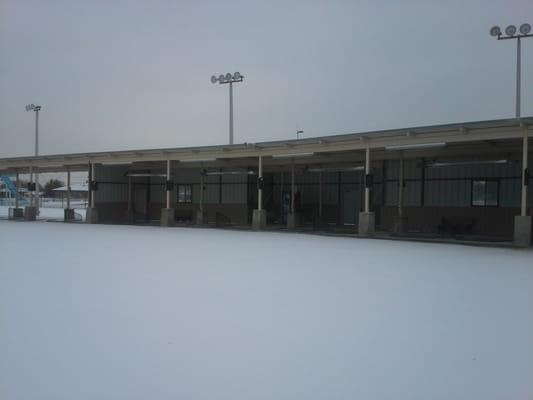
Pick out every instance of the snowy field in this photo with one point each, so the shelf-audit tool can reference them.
(109, 312)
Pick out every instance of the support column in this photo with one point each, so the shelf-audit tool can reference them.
(400, 221)
(259, 215)
(30, 211)
(293, 219)
(68, 212)
(523, 222)
(367, 220)
(168, 213)
(129, 212)
(92, 212)
(320, 217)
(17, 188)
(200, 217)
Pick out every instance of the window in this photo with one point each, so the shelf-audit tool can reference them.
(485, 193)
(184, 193)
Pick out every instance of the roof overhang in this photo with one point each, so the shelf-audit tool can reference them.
(286, 150)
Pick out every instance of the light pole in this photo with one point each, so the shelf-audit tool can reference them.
(231, 79)
(33, 107)
(510, 33)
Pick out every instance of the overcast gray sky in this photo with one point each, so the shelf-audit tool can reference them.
(135, 74)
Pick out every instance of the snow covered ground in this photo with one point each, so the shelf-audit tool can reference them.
(123, 312)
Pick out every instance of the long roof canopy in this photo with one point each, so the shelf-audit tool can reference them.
(448, 133)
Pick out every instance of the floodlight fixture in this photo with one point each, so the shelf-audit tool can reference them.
(511, 33)
(231, 79)
(525, 29)
(495, 31)
(510, 30)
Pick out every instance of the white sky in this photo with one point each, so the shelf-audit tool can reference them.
(128, 74)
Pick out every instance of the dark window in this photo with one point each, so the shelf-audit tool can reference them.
(184, 193)
(484, 193)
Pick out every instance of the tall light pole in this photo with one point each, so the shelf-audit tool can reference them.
(231, 79)
(510, 33)
(36, 109)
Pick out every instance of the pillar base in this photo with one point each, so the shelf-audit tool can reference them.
(16, 213)
(522, 231)
(259, 219)
(399, 224)
(293, 220)
(167, 217)
(91, 215)
(69, 215)
(30, 213)
(367, 223)
(200, 217)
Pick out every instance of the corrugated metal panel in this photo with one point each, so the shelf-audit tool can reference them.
(448, 193)
(234, 189)
(474, 171)
(112, 185)
(510, 192)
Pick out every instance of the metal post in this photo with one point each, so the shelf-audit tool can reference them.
(320, 194)
(400, 186)
(168, 179)
(523, 211)
(281, 197)
(293, 190)
(201, 192)
(259, 190)
(129, 193)
(518, 77)
(231, 112)
(68, 188)
(367, 189)
(31, 191)
(93, 178)
(17, 187)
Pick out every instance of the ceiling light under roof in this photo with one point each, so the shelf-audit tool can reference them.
(419, 146)
(292, 155)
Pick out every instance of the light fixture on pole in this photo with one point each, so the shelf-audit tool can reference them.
(510, 32)
(231, 79)
(36, 109)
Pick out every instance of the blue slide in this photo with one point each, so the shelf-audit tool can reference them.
(13, 189)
